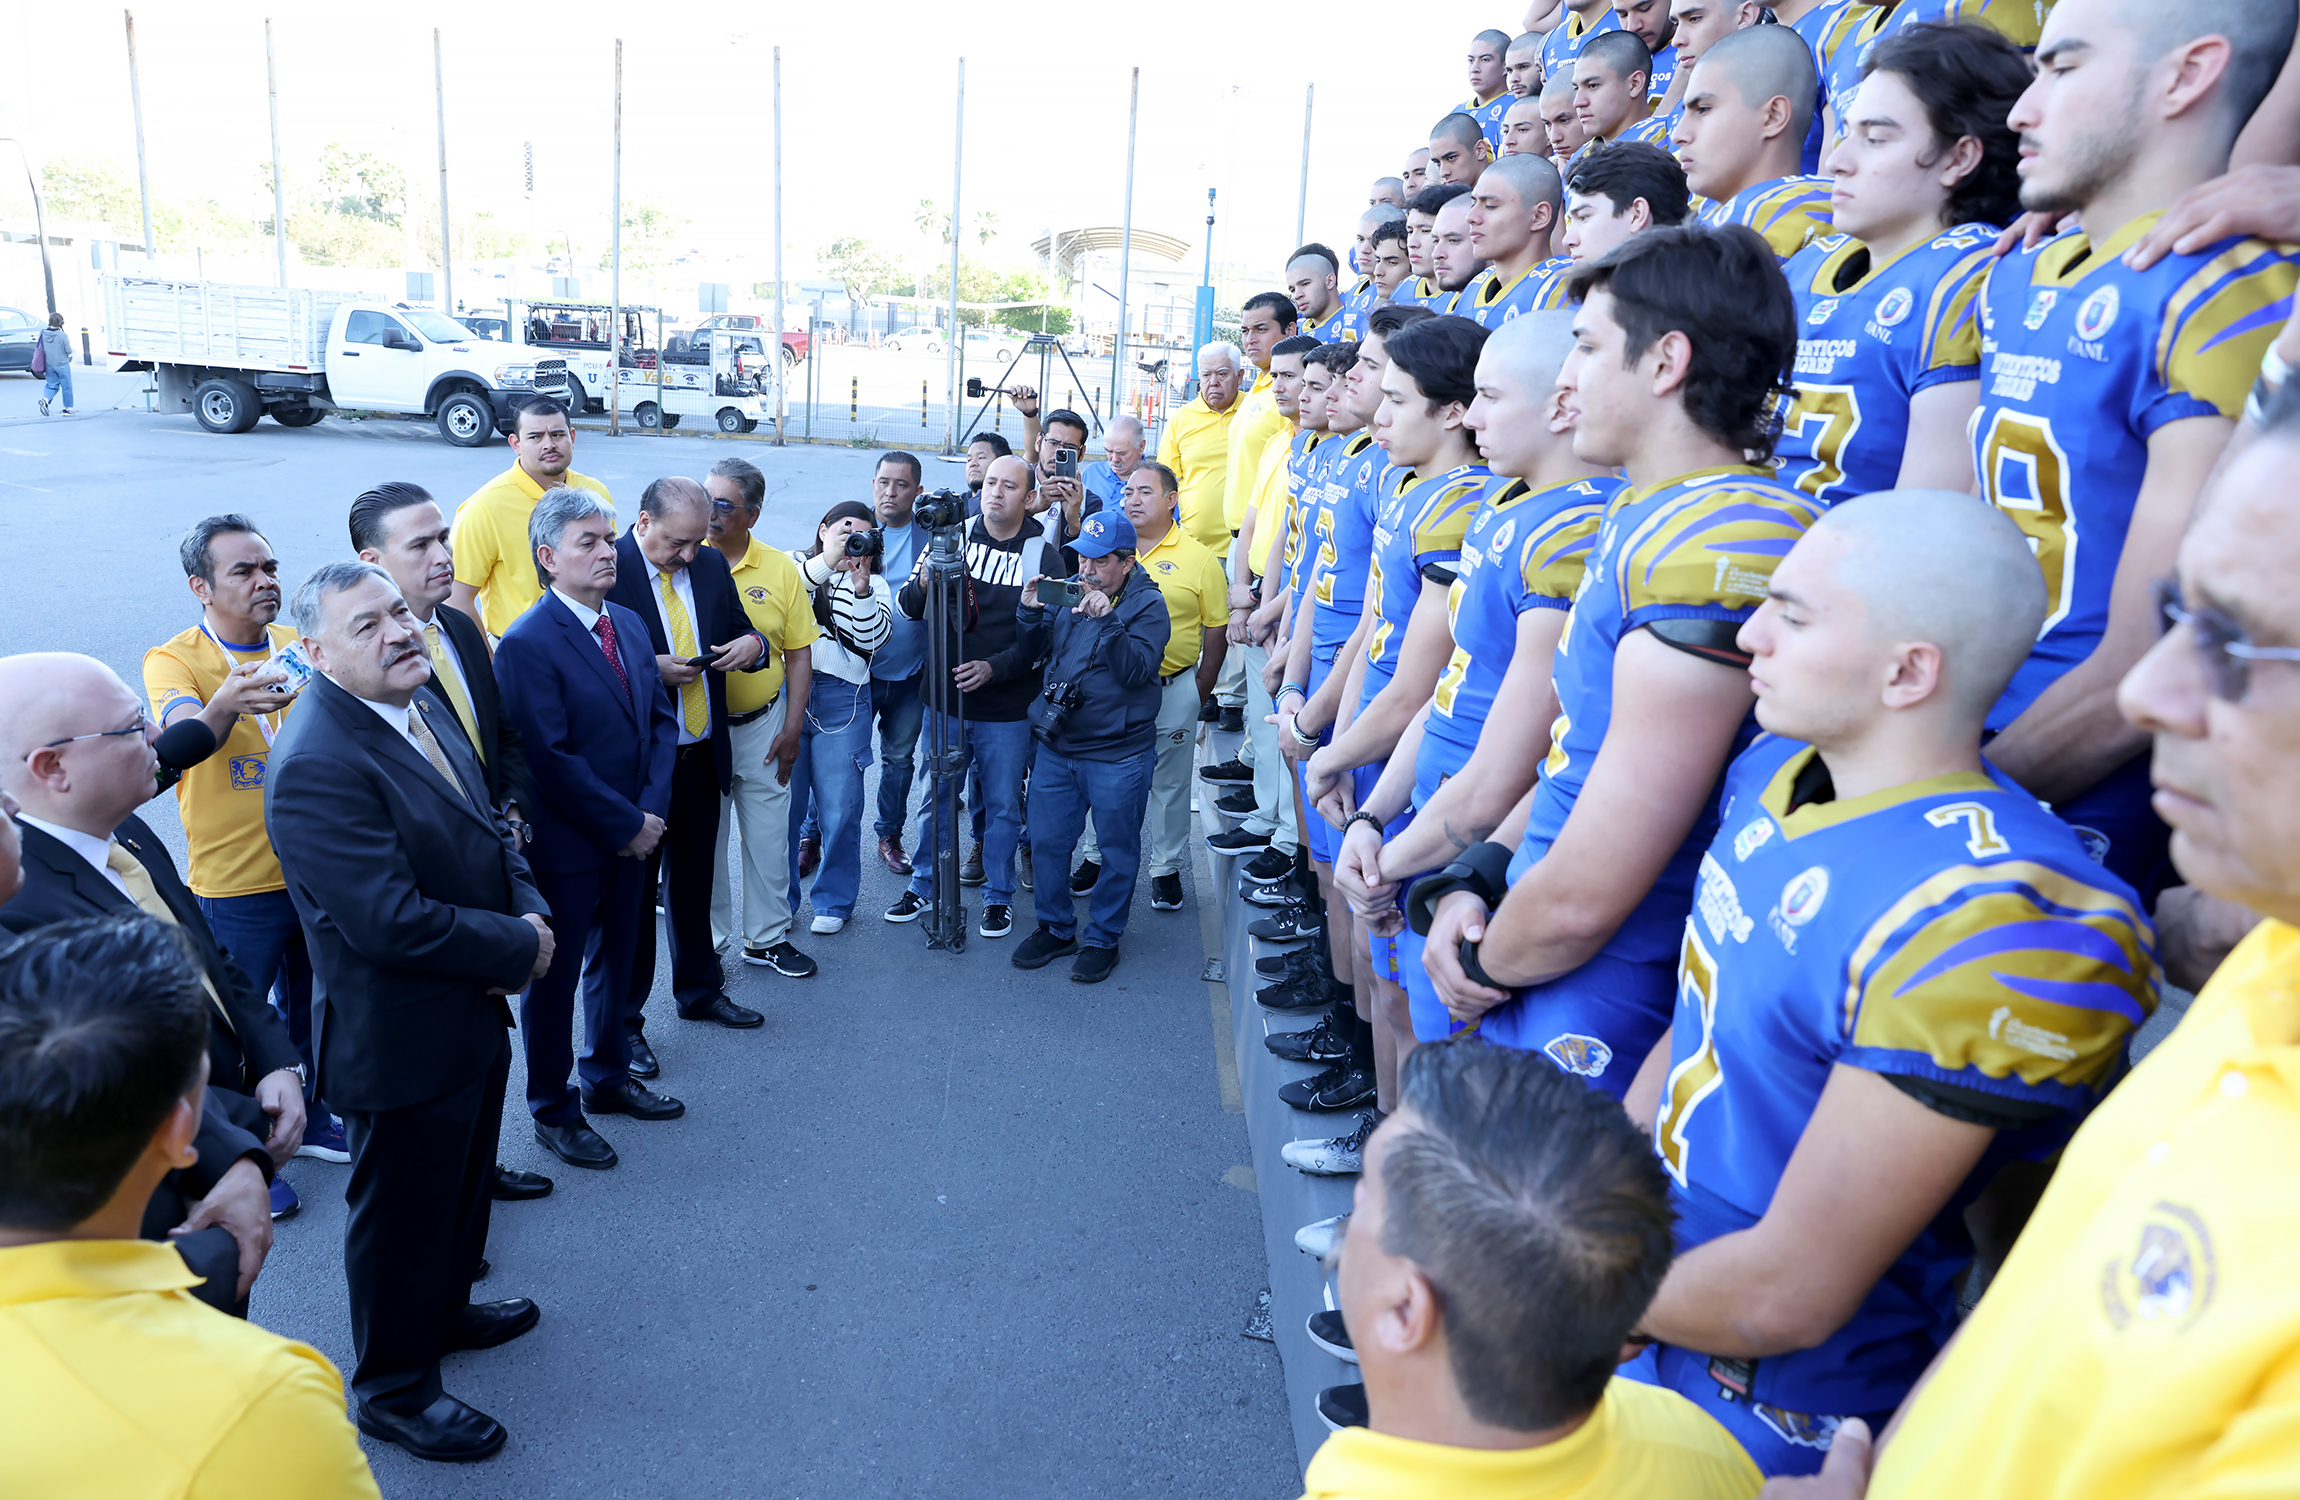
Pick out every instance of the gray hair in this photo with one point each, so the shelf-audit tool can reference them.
(1230, 353)
(309, 608)
(560, 508)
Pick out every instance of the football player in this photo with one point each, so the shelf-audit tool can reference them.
(1416, 176)
(1454, 260)
(1421, 290)
(1609, 91)
(1567, 945)
(1515, 206)
(1522, 130)
(1311, 274)
(1458, 151)
(1741, 137)
(1700, 24)
(1852, 42)
(1521, 66)
(1561, 122)
(1582, 20)
(1613, 194)
(1655, 25)
(2108, 393)
(1389, 270)
(1889, 346)
(1388, 190)
(1902, 973)
(1362, 295)
(1489, 92)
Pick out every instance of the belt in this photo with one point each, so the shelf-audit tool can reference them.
(700, 747)
(1171, 677)
(736, 721)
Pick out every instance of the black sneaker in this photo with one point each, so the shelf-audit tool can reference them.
(1082, 879)
(971, 873)
(1271, 896)
(1237, 804)
(782, 958)
(1272, 863)
(1208, 711)
(1288, 924)
(1165, 893)
(1339, 1087)
(1228, 770)
(1236, 841)
(1322, 1043)
(997, 920)
(908, 908)
(1341, 1406)
(1294, 963)
(1233, 720)
(1093, 965)
(1022, 865)
(1042, 948)
(1330, 1333)
(1287, 999)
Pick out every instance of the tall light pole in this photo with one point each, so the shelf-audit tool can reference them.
(615, 270)
(136, 101)
(446, 234)
(775, 354)
(279, 188)
(1125, 258)
(39, 219)
(1302, 203)
(957, 334)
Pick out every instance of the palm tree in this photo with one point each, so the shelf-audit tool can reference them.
(932, 222)
(985, 225)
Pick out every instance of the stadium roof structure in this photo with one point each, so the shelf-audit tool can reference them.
(1064, 247)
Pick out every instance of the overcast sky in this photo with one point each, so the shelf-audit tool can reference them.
(867, 108)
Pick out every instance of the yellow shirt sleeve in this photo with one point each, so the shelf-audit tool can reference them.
(293, 1442)
(477, 548)
(1213, 594)
(168, 681)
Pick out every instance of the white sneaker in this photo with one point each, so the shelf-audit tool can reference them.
(824, 926)
(1338, 1156)
(1319, 1239)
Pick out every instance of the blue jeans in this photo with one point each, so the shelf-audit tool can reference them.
(1065, 789)
(834, 751)
(1000, 752)
(61, 375)
(896, 705)
(264, 937)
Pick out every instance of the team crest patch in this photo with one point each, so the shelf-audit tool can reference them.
(756, 594)
(2095, 842)
(1801, 898)
(1501, 538)
(2169, 1277)
(1821, 311)
(2039, 309)
(247, 773)
(1751, 839)
(1895, 307)
(2097, 315)
(1795, 1427)
(1165, 569)
(1576, 1053)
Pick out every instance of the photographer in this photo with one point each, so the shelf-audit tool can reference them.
(992, 686)
(855, 613)
(1096, 724)
(1060, 486)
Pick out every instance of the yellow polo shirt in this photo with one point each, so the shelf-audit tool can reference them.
(1259, 420)
(2143, 1338)
(1268, 500)
(1197, 595)
(118, 1384)
(222, 798)
(775, 597)
(1642, 1443)
(489, 539)
(1196, 446)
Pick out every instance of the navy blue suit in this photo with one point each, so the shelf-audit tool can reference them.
(600, 759)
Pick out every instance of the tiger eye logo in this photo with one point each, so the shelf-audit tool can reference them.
(2170, 1275)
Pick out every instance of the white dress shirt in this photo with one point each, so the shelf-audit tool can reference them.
(96, 851)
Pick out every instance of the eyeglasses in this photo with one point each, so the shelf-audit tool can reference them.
(2220, 641)
(136, 728)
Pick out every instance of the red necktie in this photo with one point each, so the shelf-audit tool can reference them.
(605, 629)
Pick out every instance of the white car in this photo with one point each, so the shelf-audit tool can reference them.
(982, 345)
(916, 341)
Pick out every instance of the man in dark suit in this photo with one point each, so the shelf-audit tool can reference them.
(686, 594)
(401, 529)
(580, 686)
(420, 915)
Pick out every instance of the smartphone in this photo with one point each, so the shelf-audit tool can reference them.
(291, 660)
(1062, 593)
(696, 661)
(1066, 463)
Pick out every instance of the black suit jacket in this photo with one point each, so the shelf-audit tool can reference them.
(719, 619)
(506, 758)
(410, 895)
(246, 1038)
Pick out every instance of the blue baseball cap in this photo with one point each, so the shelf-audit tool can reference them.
(1104, 532)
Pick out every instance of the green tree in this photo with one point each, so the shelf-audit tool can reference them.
(865, 270)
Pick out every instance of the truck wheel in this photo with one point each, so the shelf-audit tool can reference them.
(732, 420)
(466, 420)
(750, 425)
(670, 420)
(226, 405)
(645, 414)
(790, 356)
(297, 416)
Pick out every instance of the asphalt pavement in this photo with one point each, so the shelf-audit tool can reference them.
(942, 1227)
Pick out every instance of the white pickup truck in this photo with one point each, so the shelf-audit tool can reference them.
(230, 354)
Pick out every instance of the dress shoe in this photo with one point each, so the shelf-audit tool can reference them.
(485, 1266)
(445, 1432)
(517, 1187)
(890, 854)
(725, 1012)
(642, 1063)
(578, 1144)
(483, 1325)
(628, 1096)
(810, 856)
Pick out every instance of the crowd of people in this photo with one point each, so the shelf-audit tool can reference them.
(1761, 621)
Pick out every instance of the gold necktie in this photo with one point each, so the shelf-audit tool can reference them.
(694, 698)
(452, 685)
(429, 745)
(138, 880)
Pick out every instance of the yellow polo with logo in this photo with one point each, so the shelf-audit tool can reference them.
(1259, 421)
(489, 539)
(2143, 1338)
(221, 799)
(774, 595)
(1196, 446)
(1197, 596)
(117, 1384)
(1269, 501)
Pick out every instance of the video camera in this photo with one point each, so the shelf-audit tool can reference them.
(941, 510)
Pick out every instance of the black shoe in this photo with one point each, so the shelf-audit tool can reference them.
(1339, 1087)
(642, 1063)
(1341, 1406)
(782, 958)
(1093, 965)
(1237, 841)
(1166, 893)
(1322, 1043)
(997, 920)
(1289, 966)
(908, 907)
(578, 1145)
(484, 1268)
(1238, 804)
(725, 1012)
(1288, 924)
(1082, 879)
(627, 1096)
(972, 872)
(1228, 770)
(1022, 867)
(1233, 720)
(517, 1187)
(1042, 948)
(1271, 895)
(1208, 711)
(1330, 1333)
(483, 1325)
(1315, 993)
(445, 1432)
(1271, 864)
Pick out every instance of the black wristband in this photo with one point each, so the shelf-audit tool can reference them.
(1361, 816)
(1475, 970)
(1481, 869)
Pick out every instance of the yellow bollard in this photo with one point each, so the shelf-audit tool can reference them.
(854, 399)
(922, 403)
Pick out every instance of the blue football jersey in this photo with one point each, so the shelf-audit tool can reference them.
(1345, 533)
(1539, 287)
(1664, 72)
(1701, 547)
(1788, 211)
(1654, 130)
(1951, 935)
(1565, 39)
(1420, 525)
(1869, 338)
(1821, 28)
(1488, 116)
(2083, 358)
(1525, 550)
(1842, 50)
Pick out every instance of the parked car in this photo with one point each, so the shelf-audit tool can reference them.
(19, 331)
(982, 344)
(915, 341)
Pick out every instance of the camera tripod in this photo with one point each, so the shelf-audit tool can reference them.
(1049, 349)
(946, 733)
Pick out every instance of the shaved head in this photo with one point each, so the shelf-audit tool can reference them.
(1384, 212)
(1625, 52)
(1388, 190)
(1497, 40)
(1460, 129)
(2259, 35)
(43, 695)
(1765, 62)
(1531, 348)
(1533, 178)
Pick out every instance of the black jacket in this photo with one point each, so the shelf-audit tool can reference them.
(410, 895)
(719, 619)
(995, 574)
(505, 756)
(1113, 660)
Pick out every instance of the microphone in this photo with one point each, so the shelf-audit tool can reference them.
(181, 746)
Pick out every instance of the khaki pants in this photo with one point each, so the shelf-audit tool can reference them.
(761, 808)
(1273, 794)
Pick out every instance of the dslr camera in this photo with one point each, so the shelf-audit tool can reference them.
(943, 510)
(866, 543)
(1048, 722)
